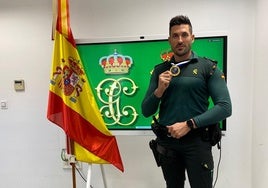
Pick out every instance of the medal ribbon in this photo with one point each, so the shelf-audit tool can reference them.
(181, 63)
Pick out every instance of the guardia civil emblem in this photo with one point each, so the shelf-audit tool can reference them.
(112, 90)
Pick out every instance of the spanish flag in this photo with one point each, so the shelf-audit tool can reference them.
(71, 103)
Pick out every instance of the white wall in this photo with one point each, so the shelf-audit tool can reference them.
(260, 102)
(31, 145)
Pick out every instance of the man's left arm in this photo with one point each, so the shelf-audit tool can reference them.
(219, 93)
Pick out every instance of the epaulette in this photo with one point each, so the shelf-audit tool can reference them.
(213, 64)
(213, 60)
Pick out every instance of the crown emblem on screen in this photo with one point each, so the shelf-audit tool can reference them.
(116, 63)
(166, 55)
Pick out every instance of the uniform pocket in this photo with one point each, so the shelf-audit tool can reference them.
(207, 165)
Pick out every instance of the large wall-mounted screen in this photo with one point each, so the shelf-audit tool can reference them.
(119, 73)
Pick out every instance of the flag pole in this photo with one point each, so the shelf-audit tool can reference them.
(70, 145)
(73, 175)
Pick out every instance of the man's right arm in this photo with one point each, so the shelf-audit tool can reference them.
(157, 87)
(151, 102)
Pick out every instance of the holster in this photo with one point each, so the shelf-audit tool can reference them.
(153, 146)
(212, 133)
(159, 151)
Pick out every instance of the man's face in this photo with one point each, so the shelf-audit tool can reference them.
(181, 40)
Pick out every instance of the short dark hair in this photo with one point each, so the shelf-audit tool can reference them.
(178, 20)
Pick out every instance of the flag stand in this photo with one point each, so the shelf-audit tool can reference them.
(89, 172)
(89, 175)
(103, 176)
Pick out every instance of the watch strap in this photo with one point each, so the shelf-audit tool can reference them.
(190, 124)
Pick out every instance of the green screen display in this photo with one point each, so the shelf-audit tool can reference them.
(119, 74)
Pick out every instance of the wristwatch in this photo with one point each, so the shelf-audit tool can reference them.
(190, 124)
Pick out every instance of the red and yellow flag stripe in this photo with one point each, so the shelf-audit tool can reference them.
(72, 105)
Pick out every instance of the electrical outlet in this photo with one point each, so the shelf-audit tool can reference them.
(4, 104)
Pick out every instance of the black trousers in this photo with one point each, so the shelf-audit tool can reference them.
(192, 155)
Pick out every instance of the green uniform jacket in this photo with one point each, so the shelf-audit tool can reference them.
(188, 93)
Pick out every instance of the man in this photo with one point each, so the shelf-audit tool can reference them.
(180, 89)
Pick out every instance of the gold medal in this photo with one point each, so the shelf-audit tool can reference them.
(175, 70)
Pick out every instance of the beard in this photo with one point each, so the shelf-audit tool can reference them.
(181, 50)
